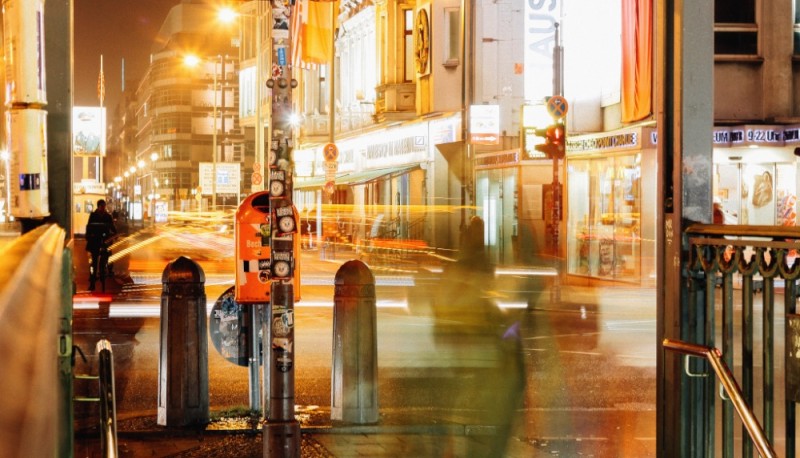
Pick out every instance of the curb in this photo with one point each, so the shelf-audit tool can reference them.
(432, 430)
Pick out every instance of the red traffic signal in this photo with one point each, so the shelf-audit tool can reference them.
(555, 139)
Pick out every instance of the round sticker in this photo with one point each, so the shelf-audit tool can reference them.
(276, 188)
(282, 269)
(286, 224)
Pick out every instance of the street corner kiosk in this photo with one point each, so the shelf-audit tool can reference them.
(256, 265)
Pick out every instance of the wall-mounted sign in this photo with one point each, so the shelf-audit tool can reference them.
(228, 177)
(484, 124)
(88, 130)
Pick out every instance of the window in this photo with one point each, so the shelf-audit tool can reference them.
(796, 28)
(735, 28)
(452, 37)
(408, 44)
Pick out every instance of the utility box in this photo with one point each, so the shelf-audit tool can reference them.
(256, 266)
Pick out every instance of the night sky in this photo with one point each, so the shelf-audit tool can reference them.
(116, 29)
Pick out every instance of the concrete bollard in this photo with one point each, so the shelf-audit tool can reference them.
(354, 382)
(183, 355)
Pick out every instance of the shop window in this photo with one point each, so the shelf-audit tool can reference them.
(735, 28)
(604, 218)
(796, 27)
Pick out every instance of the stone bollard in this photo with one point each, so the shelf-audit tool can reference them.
(354, 382)
(183, 355)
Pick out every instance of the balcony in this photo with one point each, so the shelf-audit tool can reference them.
(395, 102)
(319, 124)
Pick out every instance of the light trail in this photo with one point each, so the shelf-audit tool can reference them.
(134, 310)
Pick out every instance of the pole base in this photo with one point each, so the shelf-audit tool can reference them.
(282, 439)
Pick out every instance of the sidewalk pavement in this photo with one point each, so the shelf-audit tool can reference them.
(397, 433)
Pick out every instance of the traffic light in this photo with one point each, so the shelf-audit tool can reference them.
(555, 139)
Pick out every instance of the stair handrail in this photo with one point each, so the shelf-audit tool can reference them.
(726, 378)
(108, 409)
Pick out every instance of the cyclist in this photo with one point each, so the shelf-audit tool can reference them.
(99, 230)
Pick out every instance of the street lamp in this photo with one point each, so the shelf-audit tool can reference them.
(153, 185)
(140, 167)
(192, 61)
(4, 156)
(228, 15)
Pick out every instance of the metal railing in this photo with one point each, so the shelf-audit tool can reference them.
(30, 304)
(728, 383)
(106, 398)
(732, 265)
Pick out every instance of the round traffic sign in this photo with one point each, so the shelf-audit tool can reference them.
(557, 106)
(331, 152)
(256, 166)
(330, 187)
(229, 328)
(256, 178)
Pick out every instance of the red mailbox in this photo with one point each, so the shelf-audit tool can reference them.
(255, 268)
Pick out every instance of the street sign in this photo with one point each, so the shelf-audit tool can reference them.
(330, 186)
(256, 178)
(484, 124)
(331, 168)
(256, 166)
(557, 106)
(331, 152)
(229, 329)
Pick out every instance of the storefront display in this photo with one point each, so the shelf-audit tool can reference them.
(604, 233)
(611, 216)
(757, 194)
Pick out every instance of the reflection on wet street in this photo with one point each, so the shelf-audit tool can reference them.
(456, 344)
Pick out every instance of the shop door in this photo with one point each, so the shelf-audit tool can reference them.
(497, 196)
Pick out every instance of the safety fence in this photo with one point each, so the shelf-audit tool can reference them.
(35, 273)
(733, 272)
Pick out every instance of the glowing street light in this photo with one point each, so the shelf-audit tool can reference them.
(227, 15)
(192, 61)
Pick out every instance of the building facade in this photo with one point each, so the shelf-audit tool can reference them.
(396, 122)
(176, 115)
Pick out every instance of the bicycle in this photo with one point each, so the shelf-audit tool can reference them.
(104, 268)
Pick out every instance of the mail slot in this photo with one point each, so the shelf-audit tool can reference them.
(256, 267)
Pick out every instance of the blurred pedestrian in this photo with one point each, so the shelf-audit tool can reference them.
(99, 230)
(487, 374)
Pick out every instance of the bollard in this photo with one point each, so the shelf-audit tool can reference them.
(354, 381)
(183, 355)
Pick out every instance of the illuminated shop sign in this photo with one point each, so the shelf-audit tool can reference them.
(540, 34)
(495, 160)
(722, 136)
(627, 140)
(791, 134)
(757, 136)
(399, 147)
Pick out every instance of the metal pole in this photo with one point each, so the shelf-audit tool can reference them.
(259, 130)
(214, 144)
(257, 401)
(253, 361)
(281, 433)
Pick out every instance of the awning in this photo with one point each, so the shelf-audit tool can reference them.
(356, 178)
